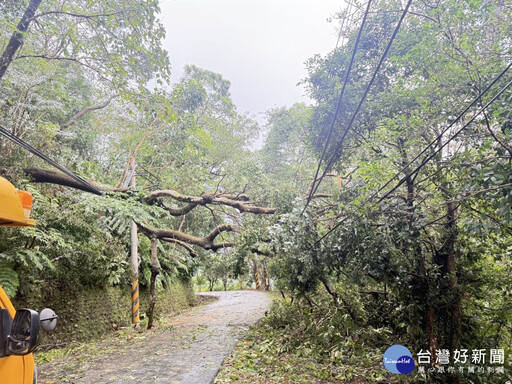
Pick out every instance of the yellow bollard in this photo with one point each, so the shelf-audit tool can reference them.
(135, 302)
(258, 285)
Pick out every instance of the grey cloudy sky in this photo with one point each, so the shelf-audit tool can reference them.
(258, 45)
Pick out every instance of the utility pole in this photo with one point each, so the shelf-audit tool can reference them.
(134, 256)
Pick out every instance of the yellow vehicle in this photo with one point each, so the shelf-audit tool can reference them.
(19, 330)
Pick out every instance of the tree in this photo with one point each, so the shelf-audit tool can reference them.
(115, 41)
(410, 243)
(16, 39)
(206, 120)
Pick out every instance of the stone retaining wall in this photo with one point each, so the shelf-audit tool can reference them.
(86, 314)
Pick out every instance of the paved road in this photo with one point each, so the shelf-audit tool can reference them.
(190, 352)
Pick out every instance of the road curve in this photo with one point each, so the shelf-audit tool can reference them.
(190, 352)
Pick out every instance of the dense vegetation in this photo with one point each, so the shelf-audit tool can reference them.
(406, 239)
(78, 91)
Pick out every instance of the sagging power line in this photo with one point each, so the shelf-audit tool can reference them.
(338, 106)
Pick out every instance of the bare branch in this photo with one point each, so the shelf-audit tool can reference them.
(190, 250)
(176, 211)
(321, 195)
(76, 14)
(86, 110)
(258, 251)
(75, 60)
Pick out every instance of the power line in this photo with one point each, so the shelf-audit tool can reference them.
(438, 137)
(4, 132)
(432, 155)
(335, 117)
(339, 147)
(440, 148)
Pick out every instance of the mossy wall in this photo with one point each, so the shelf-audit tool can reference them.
(86, 314)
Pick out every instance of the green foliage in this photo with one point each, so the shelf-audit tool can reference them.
(301, 260)
(431, 245)
(8, 279)
(119, 41)
(302, 344)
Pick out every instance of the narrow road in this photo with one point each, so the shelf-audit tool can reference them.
(190, 351)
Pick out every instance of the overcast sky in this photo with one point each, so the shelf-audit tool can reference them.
(260, 46)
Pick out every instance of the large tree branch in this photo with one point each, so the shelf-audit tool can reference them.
(235, 201)
(17, 37)
(54, 177)
(88, 109)
(206, 242)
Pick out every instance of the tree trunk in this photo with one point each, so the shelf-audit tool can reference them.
(17, 37)
(446, 260)
(266, 280)
(154, 266)
(256, 275)
(455, 333)
(423, 283)
(431, 315)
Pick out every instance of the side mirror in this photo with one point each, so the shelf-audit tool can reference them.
(48, 319)
(24, 332)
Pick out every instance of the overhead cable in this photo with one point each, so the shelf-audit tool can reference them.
(339, 146)
(4, 132)
(438, 137)
(338, 106)
(440, 148)
(428, 158)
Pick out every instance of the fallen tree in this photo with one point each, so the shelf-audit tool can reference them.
(240, 202)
